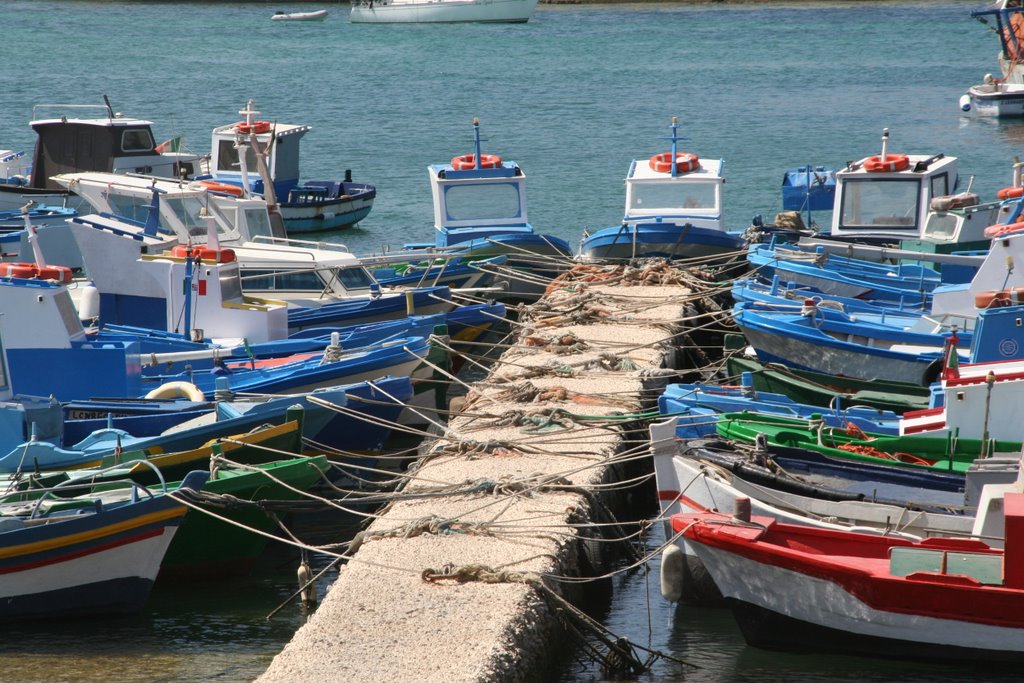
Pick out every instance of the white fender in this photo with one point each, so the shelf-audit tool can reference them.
(177, 390)
(672, 560)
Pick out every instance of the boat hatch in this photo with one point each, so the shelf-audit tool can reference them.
(986, 568)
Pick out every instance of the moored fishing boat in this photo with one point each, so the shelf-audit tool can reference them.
(673, 210)
(98, 553)
(801, 588)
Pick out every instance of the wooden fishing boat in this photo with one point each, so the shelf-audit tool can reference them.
(97, 553)
(814, 589)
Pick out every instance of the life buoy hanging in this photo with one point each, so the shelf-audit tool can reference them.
(465, 162)
(223, 188)
(29, 271)
(204, 253)
(890, 163)
(1004, 230)
(662, 163)
(999, 298)
(1010, 192)
(256, 127)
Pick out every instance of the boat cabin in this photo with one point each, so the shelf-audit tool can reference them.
(281, 140)
(693, 196)
(476, 203)
(107, 142)
(892, 200)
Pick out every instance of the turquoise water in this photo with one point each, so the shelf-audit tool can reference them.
(573, 96)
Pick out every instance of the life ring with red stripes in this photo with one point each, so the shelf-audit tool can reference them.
(1003, 230)
(890, 163)
(204, 253)
(223, 188)
(1010, 192)
(999, 298)
(29, 271)
(465, 162)
(662, 163)
(256, 127)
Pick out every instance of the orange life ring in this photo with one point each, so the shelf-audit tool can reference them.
(999, 298)
(1010, 192)
(465, 162)
(662, 163)
(1003, 230)
(223, 188)
(256, 127)
(889, 164)
(204, 253)
(27, 271)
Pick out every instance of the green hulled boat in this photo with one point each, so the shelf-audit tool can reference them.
(206, 546)
(818, 389)
(949, 454)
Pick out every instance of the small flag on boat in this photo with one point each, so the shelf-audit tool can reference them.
(171, 145)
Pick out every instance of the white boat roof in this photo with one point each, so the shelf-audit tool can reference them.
(104, 122)
(709, 170)
(278, 129)
(927, 164)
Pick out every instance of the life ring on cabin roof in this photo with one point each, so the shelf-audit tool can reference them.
(999, 298)
(177, 390)
(256, 127)
(662, 163)
(890, 163)
(1010, 192)
(204, 253)
(465, 162)
(29, 271)
(223, 188)
(1004, 230)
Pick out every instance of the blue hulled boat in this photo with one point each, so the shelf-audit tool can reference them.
(673, 210)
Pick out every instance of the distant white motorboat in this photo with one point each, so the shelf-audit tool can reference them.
(440, 11)
(994, 98)
(318, 15)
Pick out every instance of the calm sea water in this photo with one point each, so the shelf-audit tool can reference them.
(573, 96)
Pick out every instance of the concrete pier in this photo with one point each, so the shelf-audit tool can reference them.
(444, 585)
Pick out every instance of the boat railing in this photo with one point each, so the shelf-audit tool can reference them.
(291, 242)
(106, 111)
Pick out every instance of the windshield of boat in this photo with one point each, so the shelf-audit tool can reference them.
(227, 157)
(305, 280)
(134, 208)
(675, 195)
(258, 222)
(872, 204)
(355, 277)
(482, 201)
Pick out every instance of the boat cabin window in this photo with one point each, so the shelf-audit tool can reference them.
(940, 185)
(282, 280)
(187, 210)
(942, 226)
(230, 285)
(876, 204)
(675, 196)
(480, 201)
(136, 140)
(227, 157)
(258, 222)
(355, 277)
(134, 209)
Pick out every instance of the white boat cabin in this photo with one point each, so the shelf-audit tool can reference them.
(476, 203)
(908, 197)
(693, 196)
(299, 271)
(280, 140)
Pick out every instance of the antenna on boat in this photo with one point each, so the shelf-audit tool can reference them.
(476, 141)
(675, 147)
(110, 109)
(33, 239)
(885, 142)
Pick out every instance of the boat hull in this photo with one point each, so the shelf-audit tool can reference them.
(443, 11)
(303, 212)
(1001, 101)
(659, 240)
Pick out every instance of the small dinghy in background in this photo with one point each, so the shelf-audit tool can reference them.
(318, 15)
